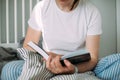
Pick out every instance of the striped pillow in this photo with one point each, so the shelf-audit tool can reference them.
(34, 68)
(108, 68)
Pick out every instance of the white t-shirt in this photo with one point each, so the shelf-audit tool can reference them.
(65, 32)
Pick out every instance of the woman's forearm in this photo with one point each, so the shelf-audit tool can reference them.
(32, 35)
(92, 45)
(87, 66)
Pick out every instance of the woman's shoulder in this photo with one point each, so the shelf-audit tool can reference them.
(91, 7)
(42, 4)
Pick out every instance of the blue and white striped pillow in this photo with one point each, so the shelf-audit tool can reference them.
(108, 68)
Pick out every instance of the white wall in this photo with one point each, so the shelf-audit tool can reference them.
(108, 39)
(118, 24)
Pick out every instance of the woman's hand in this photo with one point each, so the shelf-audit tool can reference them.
(53, 64)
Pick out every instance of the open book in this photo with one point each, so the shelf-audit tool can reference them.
(74, 57)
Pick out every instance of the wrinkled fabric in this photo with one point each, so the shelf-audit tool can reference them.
(108, 68)
(34, 69)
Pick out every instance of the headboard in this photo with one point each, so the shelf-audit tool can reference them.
(13, 24)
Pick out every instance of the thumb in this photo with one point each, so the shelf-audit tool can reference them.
(67, 63)
(69, 66)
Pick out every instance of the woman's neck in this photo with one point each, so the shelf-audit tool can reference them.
(65, 5)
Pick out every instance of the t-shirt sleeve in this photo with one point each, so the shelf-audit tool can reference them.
(95, 23)
(35, 20)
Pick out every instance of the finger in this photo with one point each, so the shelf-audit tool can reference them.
(48, 53)
(67, 63)
(48, 63)
(43, 59)
(59, 67)
(57, 62)
(52, 64)
(69, 66)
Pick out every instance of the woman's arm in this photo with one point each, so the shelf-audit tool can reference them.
(32, 35)
(92, 45)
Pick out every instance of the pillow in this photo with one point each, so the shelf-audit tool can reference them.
(34, 68)
(108, 68)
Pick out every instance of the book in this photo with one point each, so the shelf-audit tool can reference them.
(74, 57)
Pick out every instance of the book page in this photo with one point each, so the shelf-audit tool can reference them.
(38, 49)
(45, 55)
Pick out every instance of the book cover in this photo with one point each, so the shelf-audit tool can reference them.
(74, 57)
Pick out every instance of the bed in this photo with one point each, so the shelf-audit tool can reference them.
(12, 33)
(13, 24)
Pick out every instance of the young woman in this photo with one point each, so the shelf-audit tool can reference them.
(66, 26)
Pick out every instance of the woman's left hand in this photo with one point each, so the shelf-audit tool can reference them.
(53, 64)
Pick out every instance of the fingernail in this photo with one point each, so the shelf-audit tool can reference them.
(66, 61)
